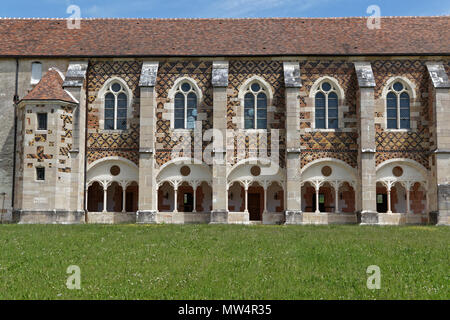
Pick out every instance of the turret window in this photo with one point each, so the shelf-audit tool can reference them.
(42, 121)
(40, 174)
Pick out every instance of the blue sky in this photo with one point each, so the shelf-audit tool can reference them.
(222, 8)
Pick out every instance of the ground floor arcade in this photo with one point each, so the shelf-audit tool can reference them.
(184, 193)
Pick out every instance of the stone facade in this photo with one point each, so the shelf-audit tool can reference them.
(290, 172)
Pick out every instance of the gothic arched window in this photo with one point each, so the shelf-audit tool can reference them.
(185, 106)
(255, 107)
(116, 107)
(326, 106)
(398, 106)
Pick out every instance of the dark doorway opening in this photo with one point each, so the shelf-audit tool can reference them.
(188, 202)
(254, 206)
(382, 202)
(321, 202)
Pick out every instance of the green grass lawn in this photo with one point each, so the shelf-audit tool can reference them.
(223, 261)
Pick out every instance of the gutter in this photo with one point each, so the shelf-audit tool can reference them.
(16, 101)
(377, 54)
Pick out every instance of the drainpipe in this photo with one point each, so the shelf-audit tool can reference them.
(3, 194)
(16, 100)
(85, 193)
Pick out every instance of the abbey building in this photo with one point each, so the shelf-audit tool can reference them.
(273, 121)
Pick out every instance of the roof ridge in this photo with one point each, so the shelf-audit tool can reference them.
(204, 19)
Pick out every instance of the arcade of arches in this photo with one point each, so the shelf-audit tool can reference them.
(254, 191)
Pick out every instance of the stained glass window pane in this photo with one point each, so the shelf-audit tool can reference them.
(249, 112)
(122, 113)
(255, 87)
(392, 123)
(262, 123)
(192, 100)
(326, 86)
(249, 124)
(109, 100)
(320, 113)
(320, 110)
(398, 86)
(404, 113)
(332, 100)
(121, 124)
(262, 100)
(332, 113)
(320, 100)
(391, 113)
(179, 123)
(109, 124)
(249, 100)
(179, 113)
(261, 113)
(116, 87)
(391, 100)
(179, 100)
(109, 113)
(404, 123)
(122, 100)
(332, 123)
(185, 87)
(320, 123)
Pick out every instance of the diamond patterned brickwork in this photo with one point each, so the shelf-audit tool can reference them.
(413, 144)
(272, 72)
(168, 73)
(102, 143)
(341, 144)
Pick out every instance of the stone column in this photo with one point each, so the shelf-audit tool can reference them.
(175, 199)
(265, 187)
(219, 213)
(366, 190)
(408, 190)
(246, 198)
(292, 190)
(124, 198)
(194, 187)
(389, 198)
(336, 195)
(147, 205)
(317, 199)
(105, 198)
(440, 188)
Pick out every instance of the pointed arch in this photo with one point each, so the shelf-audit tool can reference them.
(255, 96)
(327, 95)
(397, 94)
(185, 98)
(115, 106)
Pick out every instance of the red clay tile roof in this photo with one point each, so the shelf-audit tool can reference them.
(49, 88)
(225, 37)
